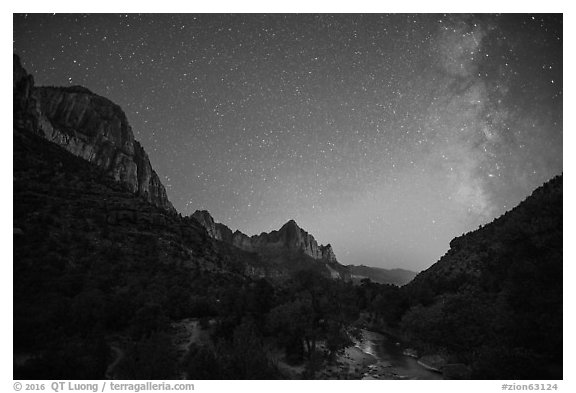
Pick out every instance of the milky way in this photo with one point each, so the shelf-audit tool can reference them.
(384, 135)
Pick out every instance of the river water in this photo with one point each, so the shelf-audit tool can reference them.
(389, 357)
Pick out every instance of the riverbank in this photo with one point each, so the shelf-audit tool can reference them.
(351, 364)
(363, 361)
(373, 356)
(392, 360)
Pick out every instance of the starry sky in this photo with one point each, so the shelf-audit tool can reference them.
(384, 135)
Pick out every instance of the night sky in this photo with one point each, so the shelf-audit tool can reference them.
(384, 135)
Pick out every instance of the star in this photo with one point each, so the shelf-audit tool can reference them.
(330, 120)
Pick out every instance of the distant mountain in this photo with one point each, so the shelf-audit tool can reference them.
(89, 126)
(494, 300)
(289, 247)
(382, 276)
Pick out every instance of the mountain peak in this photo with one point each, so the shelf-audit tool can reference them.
(290, 224)
(290, 236)
(202, 213)
(217, 231)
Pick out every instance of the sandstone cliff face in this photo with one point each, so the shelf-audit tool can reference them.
(206, 220)
(89, 126)
(296, 238)
(290, 237)
(26, 113)
(328, 253)
(215, 230)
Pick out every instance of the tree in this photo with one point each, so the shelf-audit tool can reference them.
(151, 358)
(293, 324)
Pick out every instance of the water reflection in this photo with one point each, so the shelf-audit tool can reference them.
(390, 357)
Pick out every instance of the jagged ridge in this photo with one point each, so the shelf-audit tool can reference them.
(289, 238)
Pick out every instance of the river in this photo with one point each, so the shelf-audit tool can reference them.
(389, 357)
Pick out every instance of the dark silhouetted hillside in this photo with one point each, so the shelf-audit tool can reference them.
(495, 299)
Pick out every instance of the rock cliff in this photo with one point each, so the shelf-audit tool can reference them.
(89, 126)
(215, 230)
(290, 238)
